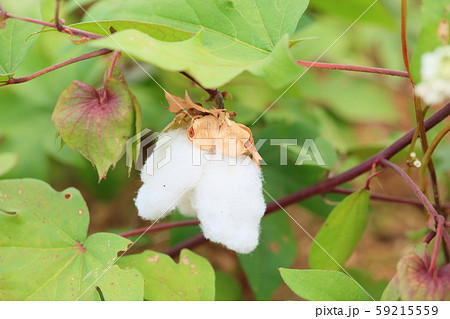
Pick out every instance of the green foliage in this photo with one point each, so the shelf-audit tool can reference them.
(60, 262)
(231, 37)
(96, 122)
(7, 162)
(14, 36)
(434, 13)
(227, 287)
(341, 232)
(323, 285)
(277, 248)
(191, 279)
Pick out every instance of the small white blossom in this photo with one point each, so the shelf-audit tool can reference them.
(225, 194)
(435, 72)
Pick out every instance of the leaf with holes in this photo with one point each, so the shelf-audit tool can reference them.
(45, 253)
(277, 248)
(14, 41)
(191, 279)
(341, 232)
(97, 122)
(230, 37)
(323, 285)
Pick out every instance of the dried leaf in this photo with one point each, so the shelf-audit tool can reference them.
(211, 130)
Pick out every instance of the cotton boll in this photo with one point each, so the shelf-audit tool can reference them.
(168, 174)
(229, 203)
(185, 206)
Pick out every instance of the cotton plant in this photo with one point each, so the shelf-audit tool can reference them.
(206, 165)
(435, 72)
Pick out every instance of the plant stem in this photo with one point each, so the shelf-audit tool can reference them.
(331, 183)
(424, 144)
(429, 237)
(439, 231)
(72, 31)
(344, 67)
(412, 186)
(386, 198)
(139, 231)
(113, 63)
(58, 23)
(404, 10)
(427, 156)
(214, 94)
(57, 66)
(189, 243)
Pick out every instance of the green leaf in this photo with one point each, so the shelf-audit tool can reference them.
(390, 293)
(13, 37)
(374, 287)
(341, 232)
(231, 37)
(227, 287)
(191, 279)
(7, 162)
(45, 253)
(277, 248)
(434, 12)
(96, 122)
(157, 31)
(323, 285)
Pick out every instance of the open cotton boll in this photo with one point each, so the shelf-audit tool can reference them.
(230, 204)
(185, 204)
(168, 174)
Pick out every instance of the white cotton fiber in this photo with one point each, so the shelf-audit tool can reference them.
(185, 204)
(168, 174)
(230, 204)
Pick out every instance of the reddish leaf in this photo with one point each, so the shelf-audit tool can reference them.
(414, 282)
(96, 122)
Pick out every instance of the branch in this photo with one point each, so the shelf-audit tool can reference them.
(387, 198)
(214, 94)
(405, 54)
(427, 156)
(145, 230)
(69, 30)
(57, 66)
(412, 186)
(331, 183)
(344, 67)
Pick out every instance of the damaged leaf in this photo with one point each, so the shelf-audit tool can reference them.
(97, 122)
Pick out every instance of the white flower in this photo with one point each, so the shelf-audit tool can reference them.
(225, 194)
(435, 72)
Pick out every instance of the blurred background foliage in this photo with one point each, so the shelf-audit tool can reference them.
(350, 115)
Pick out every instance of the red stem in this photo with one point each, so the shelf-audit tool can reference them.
(331, 183)
(57, 66)
(191, 242)
(412, 186)
(404, 9)
(139, 231)
(386, 198)
(439, 231)
(429, 237)
(113, 63)
(72, 31)
(344, 67)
